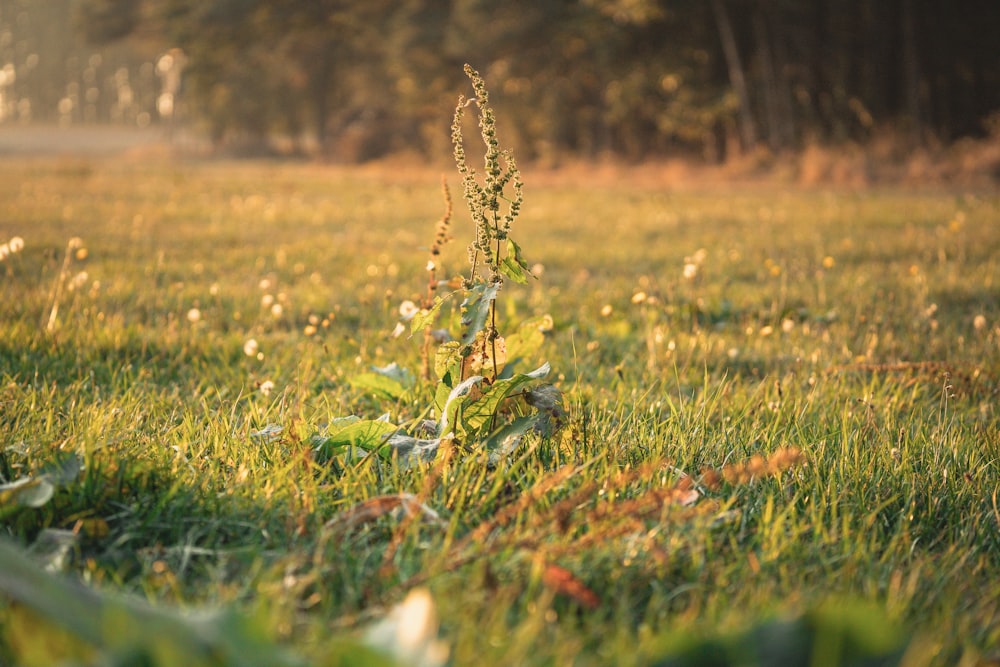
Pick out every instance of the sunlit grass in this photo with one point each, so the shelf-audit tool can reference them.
(861, 328)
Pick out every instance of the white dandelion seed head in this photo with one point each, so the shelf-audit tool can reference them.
(266, 387)
(79, 280)
(16, 244)
(250, 347)
(407, 310)
(193, 315)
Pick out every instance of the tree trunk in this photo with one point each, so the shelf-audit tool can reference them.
(321, 83)
(775, 138)
(911, 74)
(748, 133)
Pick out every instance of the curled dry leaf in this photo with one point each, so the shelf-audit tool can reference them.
(405, 504)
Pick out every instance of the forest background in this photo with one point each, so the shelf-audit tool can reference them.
(889, 88)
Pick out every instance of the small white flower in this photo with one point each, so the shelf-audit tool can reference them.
(266, 387)
(264, 284)
(276, 310)
(79, 280)
(407, 310)
(193, 315)
(250, 347)
(267, 300)
(690, 271)
(16, 244)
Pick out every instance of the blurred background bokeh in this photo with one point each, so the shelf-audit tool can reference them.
(897, 82)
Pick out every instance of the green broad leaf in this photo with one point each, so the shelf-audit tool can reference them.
(528, 338)
(425, 318)
(513, 265)
(36, 491)
(26, 492)
(410, 451)
(396, 372)
(367, 434)
(479, 413)
(441, 393)
(63, 470)
(126, 630)
(381, 385)
(451, 414)
(505, 439)
(540, 372)
(476, 308)
(447, 359)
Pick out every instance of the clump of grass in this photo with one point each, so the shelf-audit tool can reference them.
(659, 524)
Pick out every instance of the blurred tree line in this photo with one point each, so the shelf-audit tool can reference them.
(632, 78)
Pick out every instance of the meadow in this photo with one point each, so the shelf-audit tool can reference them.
(779, 445)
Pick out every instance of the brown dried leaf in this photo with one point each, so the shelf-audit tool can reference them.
(564, 582)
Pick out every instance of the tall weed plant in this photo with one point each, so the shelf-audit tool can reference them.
(482, 401)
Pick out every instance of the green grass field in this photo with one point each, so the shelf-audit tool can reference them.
(788, 455)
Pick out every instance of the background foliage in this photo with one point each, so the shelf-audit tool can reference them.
(635, 78)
